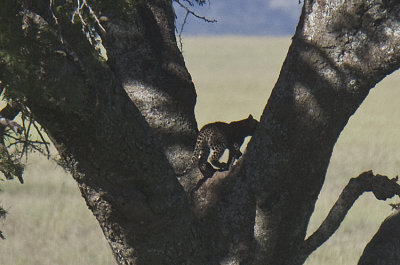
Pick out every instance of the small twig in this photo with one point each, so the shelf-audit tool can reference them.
(28, 130)
(194, 14)
(11, 136)
(395, 206)
(189, 12)
(51, 3)
(43, 140)
(40, 150)
(78, 13)
(27, 142)
(181, 30)
(25, 136)
(94, 16)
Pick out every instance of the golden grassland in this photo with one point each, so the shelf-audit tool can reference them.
(49, 223)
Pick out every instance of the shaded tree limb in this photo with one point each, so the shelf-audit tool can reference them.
(324, 79)
(381, 186)
(159, 84)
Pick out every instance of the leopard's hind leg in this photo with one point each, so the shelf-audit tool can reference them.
(206, 169)
(218, 151)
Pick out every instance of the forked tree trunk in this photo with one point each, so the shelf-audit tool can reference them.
(123, 127)
(340, 50)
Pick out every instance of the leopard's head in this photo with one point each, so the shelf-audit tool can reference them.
(251, 124)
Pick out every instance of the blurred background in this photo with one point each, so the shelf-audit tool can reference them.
(245, 18)
(234, 65)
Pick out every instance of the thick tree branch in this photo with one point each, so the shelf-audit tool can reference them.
(339, 52)
(103, 139)
(158, 83)
(382, 187)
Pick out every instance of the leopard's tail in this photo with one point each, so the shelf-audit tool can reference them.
(194, 159)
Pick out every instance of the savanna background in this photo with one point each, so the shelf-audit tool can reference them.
(49, 223)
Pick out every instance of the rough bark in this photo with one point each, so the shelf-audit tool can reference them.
(114, 155)
(124, 126)
(340, 50)
(143, 53)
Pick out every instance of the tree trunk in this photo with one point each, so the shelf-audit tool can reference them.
(125, 126)
(340, 50)
(102, 138)
(143, 53)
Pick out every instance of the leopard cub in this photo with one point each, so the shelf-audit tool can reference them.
(216, 137)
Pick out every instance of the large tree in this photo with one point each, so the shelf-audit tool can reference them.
(123, 123)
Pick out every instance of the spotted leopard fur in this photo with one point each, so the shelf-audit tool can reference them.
(215, 138)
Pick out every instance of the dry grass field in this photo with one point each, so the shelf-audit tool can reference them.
(49, 223)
